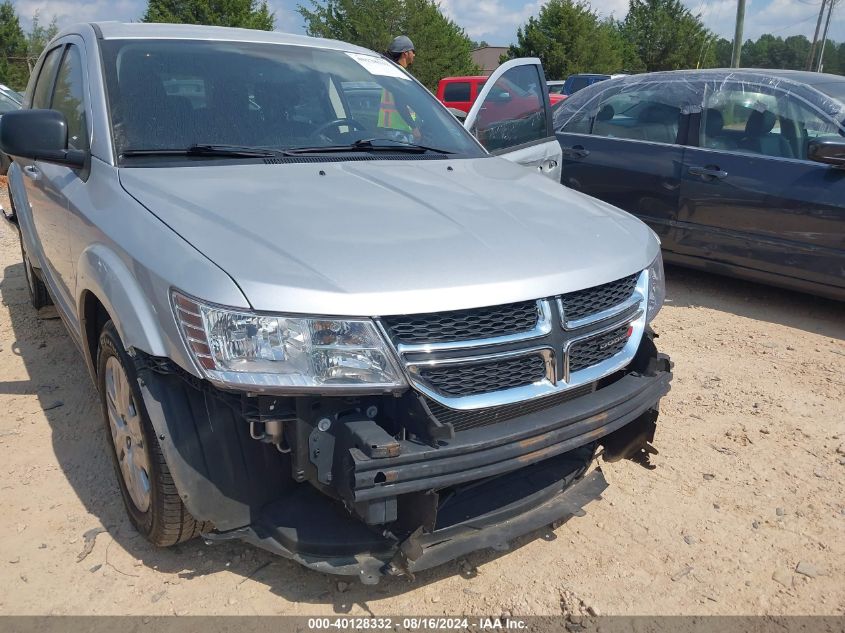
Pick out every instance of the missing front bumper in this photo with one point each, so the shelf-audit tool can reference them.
(554, 503)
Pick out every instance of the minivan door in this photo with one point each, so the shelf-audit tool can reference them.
(512, 117)
(750, 196)
(43, 182)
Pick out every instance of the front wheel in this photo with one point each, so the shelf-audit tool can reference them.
(149, 494)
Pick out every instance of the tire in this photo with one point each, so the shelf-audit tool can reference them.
(149, 494)
(38, 295)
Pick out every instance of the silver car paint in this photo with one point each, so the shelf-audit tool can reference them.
(393, 237)
(384, 238)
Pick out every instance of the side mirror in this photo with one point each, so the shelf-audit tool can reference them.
(460, 115)
(501, 96)
(823, 150)
(40, 135)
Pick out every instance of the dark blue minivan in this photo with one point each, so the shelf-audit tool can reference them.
(740, 172)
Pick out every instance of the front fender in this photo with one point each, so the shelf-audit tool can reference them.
(102, 272)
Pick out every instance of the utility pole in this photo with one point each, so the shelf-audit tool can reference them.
(824, 35)
(740, 21)
(812, 56)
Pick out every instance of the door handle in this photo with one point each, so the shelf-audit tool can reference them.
(32, 172)
(577, 151)
(710, 172)
(547, 165)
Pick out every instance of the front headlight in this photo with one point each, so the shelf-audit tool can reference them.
(656, 287)
(236, 347)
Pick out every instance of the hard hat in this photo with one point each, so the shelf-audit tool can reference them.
(401, 44)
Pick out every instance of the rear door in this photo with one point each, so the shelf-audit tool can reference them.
(512, 117)
(750, 198)
(621, 142)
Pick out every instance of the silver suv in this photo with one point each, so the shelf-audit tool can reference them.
(320, 315)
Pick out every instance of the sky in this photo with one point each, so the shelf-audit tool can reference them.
(494, 21)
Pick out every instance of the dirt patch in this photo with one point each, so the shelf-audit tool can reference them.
(744, 512)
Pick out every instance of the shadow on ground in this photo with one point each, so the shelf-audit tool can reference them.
(693, 288)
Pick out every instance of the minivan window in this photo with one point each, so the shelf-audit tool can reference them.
(513, 111)
(457, 91)
(41, 94)
(69, 98)
(757, 120)
(172, 94)
(643, 111)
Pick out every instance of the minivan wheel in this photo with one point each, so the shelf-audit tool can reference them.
(149, 494)
(38, 295)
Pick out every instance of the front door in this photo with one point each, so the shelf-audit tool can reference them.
(512, 117)
(43, 182)
(750, 197)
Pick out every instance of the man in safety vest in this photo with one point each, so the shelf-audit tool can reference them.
(401, 51)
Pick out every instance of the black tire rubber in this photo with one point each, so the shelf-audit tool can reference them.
(38, 295)
(167, 521)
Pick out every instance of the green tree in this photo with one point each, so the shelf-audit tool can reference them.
(13, 69)
(443, 48)
(248, 14)
(38, 38)
(722, 50)
(841, 55)
(831, 59)
(569, 37)
(665, 35)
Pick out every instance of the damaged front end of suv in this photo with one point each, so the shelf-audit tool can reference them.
(423, 437)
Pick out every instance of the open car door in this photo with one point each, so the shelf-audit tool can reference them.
(512, 117)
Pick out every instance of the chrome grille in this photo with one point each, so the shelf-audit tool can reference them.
(583, 303)
(463, 325)
(465, 420)
(475, 361)
(465, 380)
(593, 350)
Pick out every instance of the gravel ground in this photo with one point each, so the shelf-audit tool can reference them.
(743, 514)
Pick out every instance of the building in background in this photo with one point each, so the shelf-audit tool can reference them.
(487, 57)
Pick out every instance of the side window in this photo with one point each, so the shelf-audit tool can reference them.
(576, 114)
(41, 93)
(513, 111)
(69, 99)
(643, 112)
(756, 119)
(457, 91)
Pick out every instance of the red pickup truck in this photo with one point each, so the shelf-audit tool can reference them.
(461, 92)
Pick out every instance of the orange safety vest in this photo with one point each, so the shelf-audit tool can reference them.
(388, 115)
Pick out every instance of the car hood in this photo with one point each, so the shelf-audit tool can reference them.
(381, 237)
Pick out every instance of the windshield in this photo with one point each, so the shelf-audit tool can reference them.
(172, 94)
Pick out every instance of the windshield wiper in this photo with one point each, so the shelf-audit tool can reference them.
(209, 149)
(369, 145)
